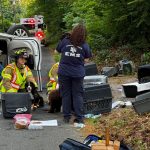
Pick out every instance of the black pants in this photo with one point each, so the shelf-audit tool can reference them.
(71, 90)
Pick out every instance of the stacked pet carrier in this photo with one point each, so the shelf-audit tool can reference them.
(140, 90)
(97, 92)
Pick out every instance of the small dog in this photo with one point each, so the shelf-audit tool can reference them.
(55, 101)
(38, 99)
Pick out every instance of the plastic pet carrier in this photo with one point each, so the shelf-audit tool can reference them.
(90, 69)
(15, 103)
(144, 73)
(97, 99)
(126, 67)
(110, 71)
(95, 79)
(131, 90)
(142, 103)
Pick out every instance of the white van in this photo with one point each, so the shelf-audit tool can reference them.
(35, 46)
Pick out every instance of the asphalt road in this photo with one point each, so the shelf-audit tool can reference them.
(48, 138)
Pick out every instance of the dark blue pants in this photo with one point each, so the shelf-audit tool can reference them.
(71, 90)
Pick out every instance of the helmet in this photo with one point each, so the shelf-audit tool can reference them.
(18, 49)
(17, 44)
(21, 53)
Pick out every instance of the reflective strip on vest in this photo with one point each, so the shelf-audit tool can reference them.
(7, 76)
(16, 86)
(52, 80)
(14, 78)
(10, 66)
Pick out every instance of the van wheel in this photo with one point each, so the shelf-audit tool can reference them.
(18, 30)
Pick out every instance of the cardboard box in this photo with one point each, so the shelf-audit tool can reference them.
(116, 145)
(98, 146)
(102, 145)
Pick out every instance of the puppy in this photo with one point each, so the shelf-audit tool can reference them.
(55, 101)
(38, 99)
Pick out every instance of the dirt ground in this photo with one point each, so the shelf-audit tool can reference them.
(116, 85)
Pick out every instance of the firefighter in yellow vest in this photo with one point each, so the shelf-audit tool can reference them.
(17, 74)
(53, 76)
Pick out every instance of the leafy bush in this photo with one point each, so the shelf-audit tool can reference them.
(146, 58)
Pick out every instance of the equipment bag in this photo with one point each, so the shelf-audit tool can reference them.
(15, 103)
(70, 144)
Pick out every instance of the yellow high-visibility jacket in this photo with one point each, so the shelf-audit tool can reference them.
(53, 78)
(15, 79)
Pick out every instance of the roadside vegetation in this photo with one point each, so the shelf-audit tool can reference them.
(116, 29)
(125, 125)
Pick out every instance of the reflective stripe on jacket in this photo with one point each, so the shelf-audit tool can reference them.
(16, 78)
(51, 85)
(53, 75)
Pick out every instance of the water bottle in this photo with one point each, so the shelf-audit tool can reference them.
(88, 115)
(79, 125)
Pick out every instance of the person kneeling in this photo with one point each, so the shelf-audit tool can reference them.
(15, 75)
(54, 99)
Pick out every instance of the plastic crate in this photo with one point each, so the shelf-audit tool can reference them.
(15, 103)
(97, 99)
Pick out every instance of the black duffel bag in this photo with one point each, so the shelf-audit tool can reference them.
(70, 144)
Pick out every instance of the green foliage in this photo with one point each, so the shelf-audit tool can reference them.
(5, 25)
(110, 24)
(57, 57)
(9, 14)
(146, 58)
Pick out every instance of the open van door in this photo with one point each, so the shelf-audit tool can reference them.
(35, 57)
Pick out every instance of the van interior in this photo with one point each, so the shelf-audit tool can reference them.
(3, 53)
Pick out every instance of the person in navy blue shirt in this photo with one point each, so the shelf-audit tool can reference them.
(74, 50)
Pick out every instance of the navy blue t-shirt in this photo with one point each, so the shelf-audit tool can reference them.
(72, 58)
